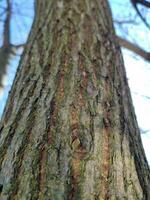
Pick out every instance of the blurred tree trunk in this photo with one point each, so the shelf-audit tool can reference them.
(69, 131)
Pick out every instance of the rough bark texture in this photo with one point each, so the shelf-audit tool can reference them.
(69, 131)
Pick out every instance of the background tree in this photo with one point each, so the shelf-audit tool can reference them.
(9, 47)
(69, 130)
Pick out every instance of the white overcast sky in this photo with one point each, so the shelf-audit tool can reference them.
(138, 73)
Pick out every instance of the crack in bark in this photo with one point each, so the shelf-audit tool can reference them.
(21, 152)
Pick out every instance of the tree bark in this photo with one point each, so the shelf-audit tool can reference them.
(69, 131)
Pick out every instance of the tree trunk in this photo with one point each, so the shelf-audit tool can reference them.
(69, 131)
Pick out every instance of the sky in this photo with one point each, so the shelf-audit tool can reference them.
(138, 71)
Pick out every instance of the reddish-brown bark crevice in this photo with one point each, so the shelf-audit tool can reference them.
(105, 164)
(42, 167)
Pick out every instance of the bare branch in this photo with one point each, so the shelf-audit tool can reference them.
(144, 3)
(134, 48)
(17, 46)
(130, 21)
